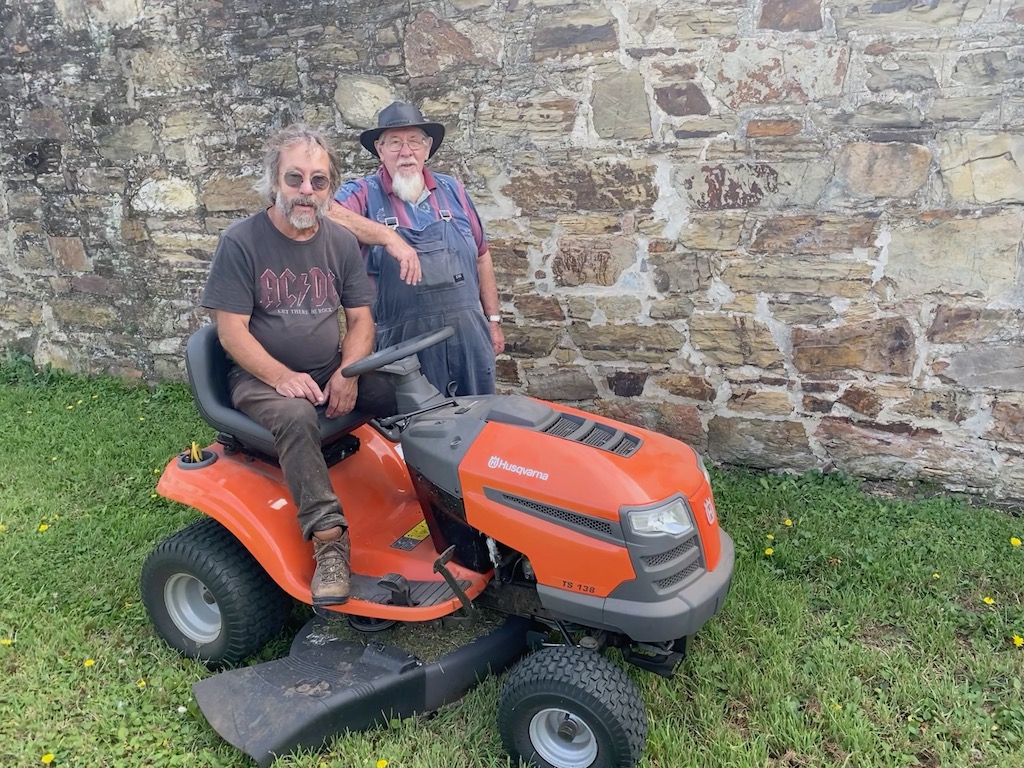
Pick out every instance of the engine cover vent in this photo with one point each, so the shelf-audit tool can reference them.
(591, 433)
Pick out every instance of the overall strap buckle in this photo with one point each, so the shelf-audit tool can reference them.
(445, 214)
(391, 221)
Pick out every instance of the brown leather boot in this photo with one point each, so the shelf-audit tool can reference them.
(330, 585)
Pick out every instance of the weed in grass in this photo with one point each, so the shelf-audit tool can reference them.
(840, 648)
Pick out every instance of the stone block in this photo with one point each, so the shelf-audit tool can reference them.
(584, 33)
(681, 422)
(682, 273)
(749, 400)
(818, 235)
(69, 254)
(560, 383)
(82, 313)
(647, 344)
(905, 74)
(853, 17)
(535, 307)
(601, 185)
(754, 72)
(682, 99)
(434, 45)
(546, 116)
(627, 383)
(712, 187)
(987, 68)
(870, 170)
(530, 341)
(733, 340)
(950, 405)
(277, 75)
(619, 309)
(807, 275)
(956, 324)
(955, 256)
(861, 400)
(360, 99)
(791, 15)
(714, 231)
(597, 259)
(884, 346)
(771, 129)
(230, 193)
(123, 143)
(983, 168)
(619, 106)
(984, 367)
(171, 195)
(760, 443)
(686, 385)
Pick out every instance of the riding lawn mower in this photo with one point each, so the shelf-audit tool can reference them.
(586, 534)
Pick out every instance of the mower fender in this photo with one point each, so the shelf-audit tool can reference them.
(675, 615)
(228, 495)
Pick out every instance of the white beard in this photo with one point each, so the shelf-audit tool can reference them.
(408, 186)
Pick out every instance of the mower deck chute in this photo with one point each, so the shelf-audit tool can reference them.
(326, 686)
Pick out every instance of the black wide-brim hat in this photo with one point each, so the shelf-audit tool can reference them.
(402, 115)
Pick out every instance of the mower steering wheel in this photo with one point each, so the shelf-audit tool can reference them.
(388, 355)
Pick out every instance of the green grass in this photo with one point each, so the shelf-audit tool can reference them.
(862, 640)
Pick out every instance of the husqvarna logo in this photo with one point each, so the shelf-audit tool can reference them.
(709, 510)
(496, 462)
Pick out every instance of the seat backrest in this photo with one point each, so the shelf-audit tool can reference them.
(207, 364)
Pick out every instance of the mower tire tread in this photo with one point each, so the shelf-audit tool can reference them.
(586, 684)
(253, 609)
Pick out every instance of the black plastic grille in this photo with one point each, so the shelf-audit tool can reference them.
(593, 434)
(673, 554)
(676, 578)
(573, 518)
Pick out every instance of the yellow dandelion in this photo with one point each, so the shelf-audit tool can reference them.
(28, 412)
(936, 575)
(95, 397)
(141, 684)
(988, 600)
(79, 402)
(142, 418)
(71, 407)
(382, 764)
(1018, 640)
(156, 471)
(787, 522)
(48, 758)
(89, 663)
(43, 527)
(53, 458)
(769, 551)
(2, 527)
(6, 641)
(1014, 541)
(153, 495)
(770, 536)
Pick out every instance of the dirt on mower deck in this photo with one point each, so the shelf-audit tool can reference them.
(428, 640)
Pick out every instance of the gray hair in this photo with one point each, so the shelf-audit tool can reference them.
(286, 138)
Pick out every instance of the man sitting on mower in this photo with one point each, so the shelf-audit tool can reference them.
(276, 285)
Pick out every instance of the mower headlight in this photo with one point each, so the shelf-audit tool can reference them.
(672, 518)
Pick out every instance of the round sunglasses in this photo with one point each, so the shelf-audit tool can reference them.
(317, 181)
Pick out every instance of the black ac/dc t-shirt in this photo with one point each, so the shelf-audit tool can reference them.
(291, 289)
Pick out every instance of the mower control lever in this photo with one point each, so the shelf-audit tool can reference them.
(390, 421)
(439, 567)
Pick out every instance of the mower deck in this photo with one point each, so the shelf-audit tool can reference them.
(327, 686)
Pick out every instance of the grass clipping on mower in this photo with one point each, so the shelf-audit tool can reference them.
(427, 640)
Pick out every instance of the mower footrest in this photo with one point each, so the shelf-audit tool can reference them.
(420, 593)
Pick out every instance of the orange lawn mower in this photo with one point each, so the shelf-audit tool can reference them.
(585, 533)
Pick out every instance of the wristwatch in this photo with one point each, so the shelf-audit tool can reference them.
(494, 319)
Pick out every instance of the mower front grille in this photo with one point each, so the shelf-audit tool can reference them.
(677, 578)
(564, 515)
(673, 554)
(589, 432)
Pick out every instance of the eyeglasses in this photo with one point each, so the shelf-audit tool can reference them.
(395, 144)
(317, 181)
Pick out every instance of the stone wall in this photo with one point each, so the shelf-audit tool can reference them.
(787, 232)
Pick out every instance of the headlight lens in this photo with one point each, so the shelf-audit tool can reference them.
(703, 468)
(672, 518)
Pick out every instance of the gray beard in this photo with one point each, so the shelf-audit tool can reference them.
(302, 220)
(408, 188)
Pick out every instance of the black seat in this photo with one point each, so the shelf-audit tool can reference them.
(207, 365)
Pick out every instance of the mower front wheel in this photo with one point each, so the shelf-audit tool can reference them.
(208, 598)
(567, 707)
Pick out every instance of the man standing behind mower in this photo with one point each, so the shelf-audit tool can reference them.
(433, 214)
(278, 281)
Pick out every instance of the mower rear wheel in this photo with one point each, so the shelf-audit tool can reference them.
(567, 707)
(208, 598)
